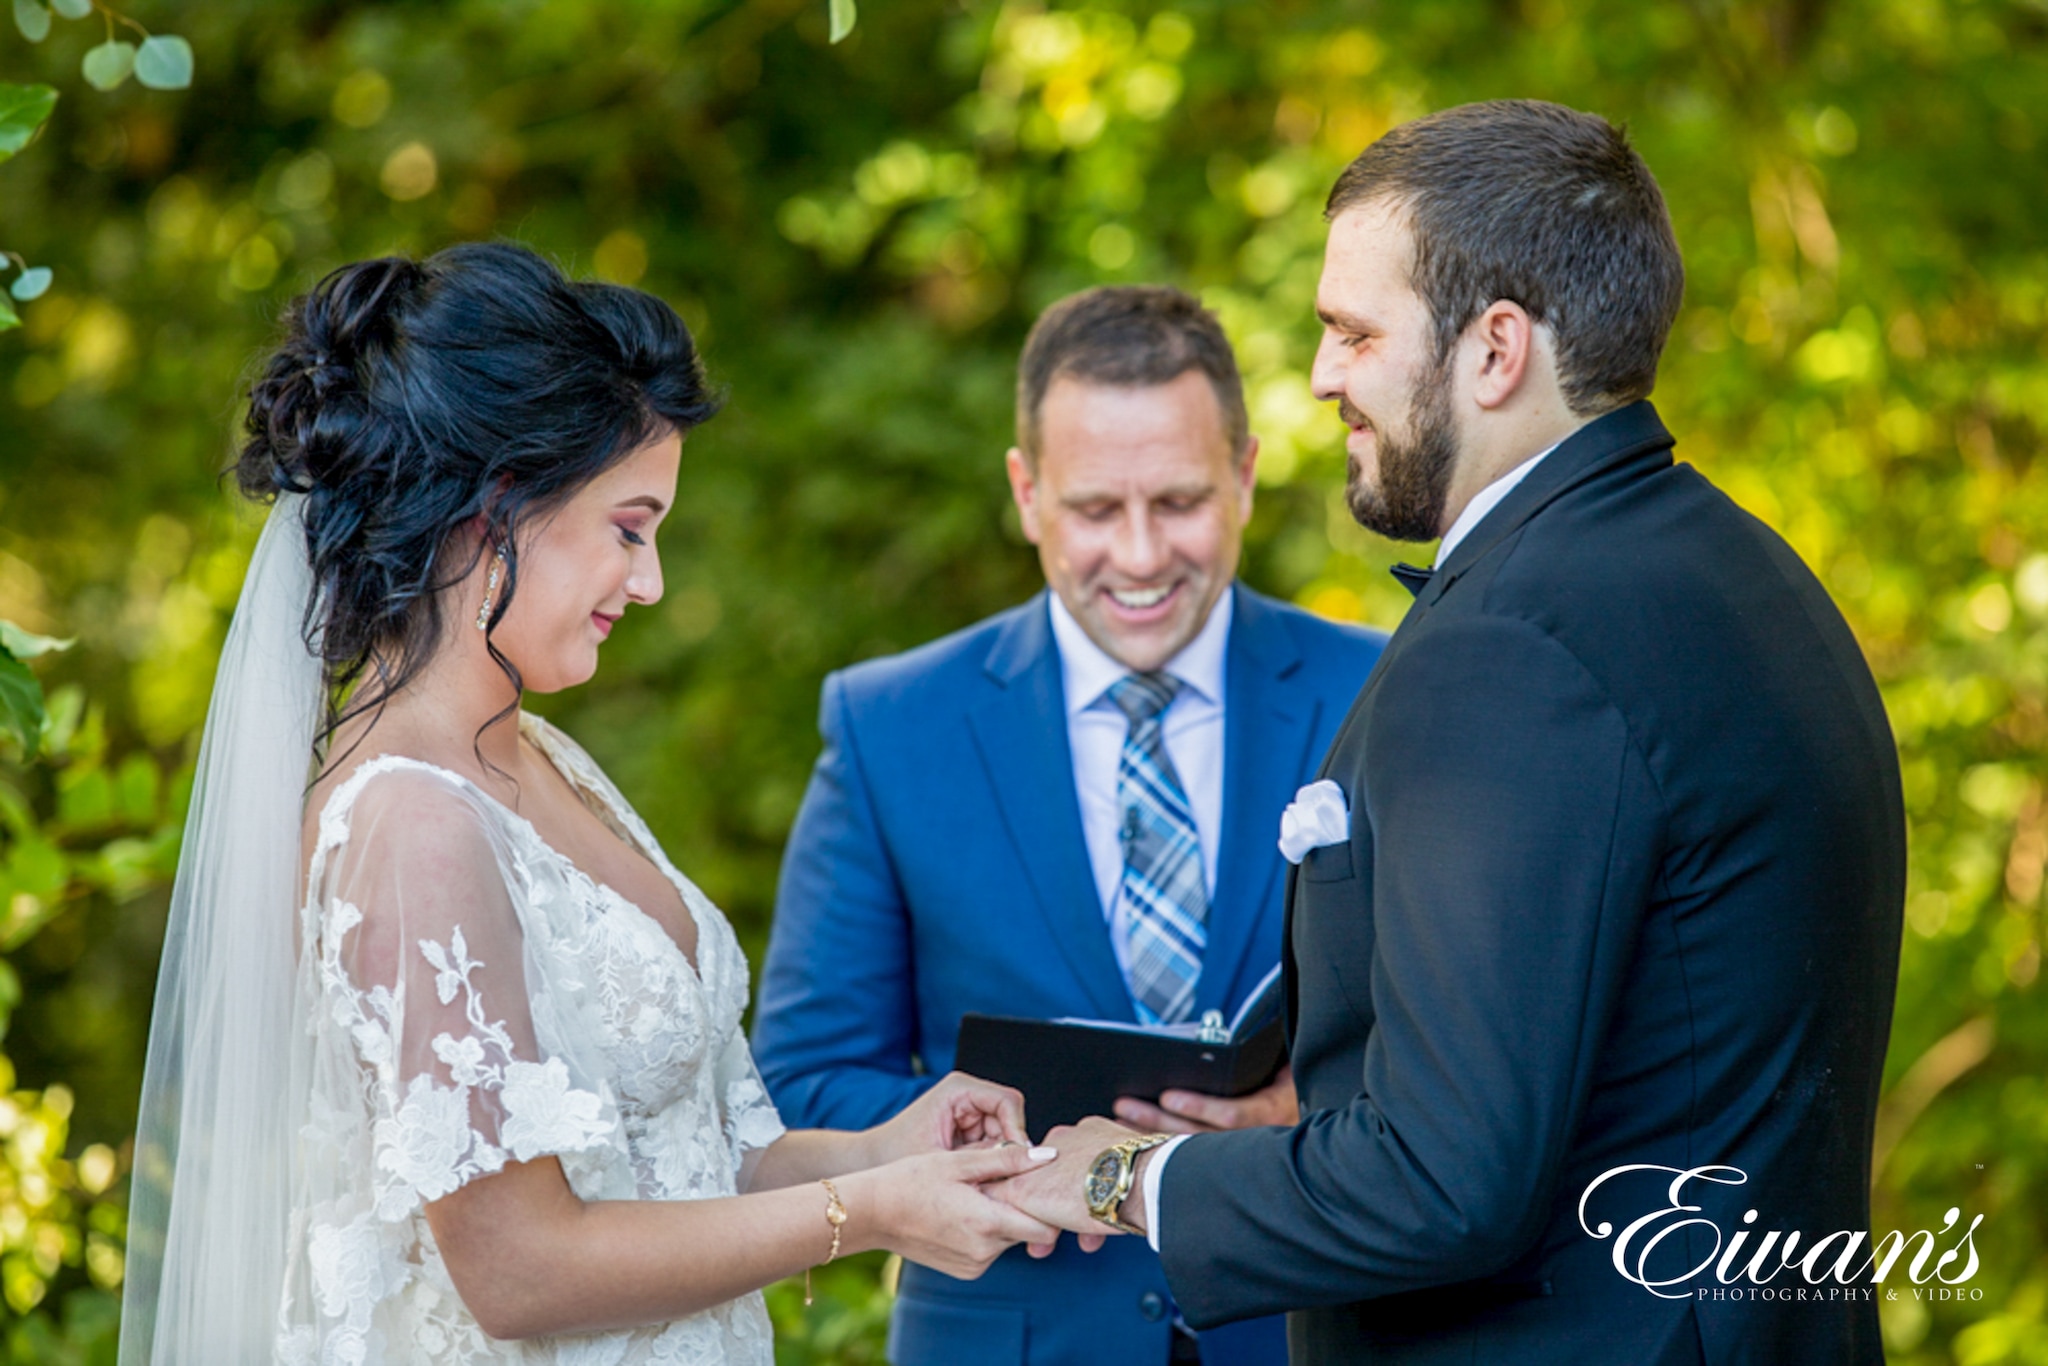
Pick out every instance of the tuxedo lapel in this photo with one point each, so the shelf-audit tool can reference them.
(1268, 723)
(1021, 733)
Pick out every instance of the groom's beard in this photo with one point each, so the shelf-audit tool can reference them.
(1407, 501)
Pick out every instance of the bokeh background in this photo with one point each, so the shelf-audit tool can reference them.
(860, 234)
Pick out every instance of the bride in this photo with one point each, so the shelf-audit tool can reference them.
(486, 1096)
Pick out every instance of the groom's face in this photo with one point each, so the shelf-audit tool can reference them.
(1377, 360)
(1137, 505)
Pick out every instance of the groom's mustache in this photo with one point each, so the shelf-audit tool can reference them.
(1352, 417)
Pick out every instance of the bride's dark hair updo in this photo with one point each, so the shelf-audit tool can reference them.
(410, 397)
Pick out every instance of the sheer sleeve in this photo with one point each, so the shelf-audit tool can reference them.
(752, 1123)
(425, 970)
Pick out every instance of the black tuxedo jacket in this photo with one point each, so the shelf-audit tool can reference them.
(1623, 886)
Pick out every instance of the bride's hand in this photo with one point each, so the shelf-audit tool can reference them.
(960, 1112)
(931, 1209)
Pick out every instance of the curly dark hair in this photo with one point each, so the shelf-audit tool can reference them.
(410, 397)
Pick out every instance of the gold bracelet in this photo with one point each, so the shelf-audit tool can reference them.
(835, 1215)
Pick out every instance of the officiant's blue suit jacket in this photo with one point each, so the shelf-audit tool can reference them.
(938, 867)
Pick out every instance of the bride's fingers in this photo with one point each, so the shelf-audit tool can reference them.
(981, 1107)
(1091, 1241)
(1009, 1115)
(1040, 1250)
(977, 1165)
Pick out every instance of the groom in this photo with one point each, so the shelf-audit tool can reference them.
(1617, 878)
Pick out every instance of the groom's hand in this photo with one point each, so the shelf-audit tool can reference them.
(1191, 1112)
(1054, 1193)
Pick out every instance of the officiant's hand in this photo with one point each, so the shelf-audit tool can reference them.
(1191, 1112)
(960, 1112)
(1054, 1194)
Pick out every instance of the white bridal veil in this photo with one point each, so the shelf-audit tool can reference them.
(212, 1186)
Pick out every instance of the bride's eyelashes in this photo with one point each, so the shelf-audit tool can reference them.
(632, 537)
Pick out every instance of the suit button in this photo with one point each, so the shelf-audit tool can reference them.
(1152, 1305)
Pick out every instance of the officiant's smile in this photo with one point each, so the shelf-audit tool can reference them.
(1136, 497)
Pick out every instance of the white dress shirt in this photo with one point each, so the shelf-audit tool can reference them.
(1485, 501)
(1192, 730)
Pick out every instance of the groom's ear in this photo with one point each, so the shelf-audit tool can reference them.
(1024, 489)
(1506, 341)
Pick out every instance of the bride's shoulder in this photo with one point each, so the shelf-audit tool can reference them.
(571, 760)
(395, 798)
(556, 743)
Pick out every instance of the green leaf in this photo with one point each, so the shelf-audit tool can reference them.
(27, 644)
(843, 15)
(23, 109)
(164, 63)
(72, 9)
(39, 868)
(21, 703)
(109, 64)
(31, 284)
(8, 317)
(33, 19)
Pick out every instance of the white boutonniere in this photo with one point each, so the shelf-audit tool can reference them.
(1316, 817)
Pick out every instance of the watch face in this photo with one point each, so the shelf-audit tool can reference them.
(1102, 1178)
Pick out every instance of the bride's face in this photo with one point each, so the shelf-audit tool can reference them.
(580, 567)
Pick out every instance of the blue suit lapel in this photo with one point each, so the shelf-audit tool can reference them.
(1022, 735)
(1269, 722)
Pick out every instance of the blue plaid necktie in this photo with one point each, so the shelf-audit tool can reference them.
(1162, 902)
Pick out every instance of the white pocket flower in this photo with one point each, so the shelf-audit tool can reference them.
(1316, 817)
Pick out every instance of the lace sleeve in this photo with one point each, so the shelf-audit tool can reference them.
(425, 1010)
(751, 1120)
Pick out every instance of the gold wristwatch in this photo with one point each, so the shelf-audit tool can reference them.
(1108, 1182)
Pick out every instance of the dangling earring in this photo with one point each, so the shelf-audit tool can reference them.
(483, 615)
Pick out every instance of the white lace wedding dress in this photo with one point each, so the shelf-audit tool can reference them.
(473, 998)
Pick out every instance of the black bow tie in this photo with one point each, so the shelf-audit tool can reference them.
(1413, 579)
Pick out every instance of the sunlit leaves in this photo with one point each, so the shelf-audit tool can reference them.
(32, 283)
(23, 644)
(21, 696)
(32, 17)
(21, 703)
(843, 16)
(164, 62)
(109, 64)
(23, 109)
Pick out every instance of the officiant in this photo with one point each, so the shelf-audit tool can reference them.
(1067, 809)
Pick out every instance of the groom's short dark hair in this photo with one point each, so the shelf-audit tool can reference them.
(1544, 206)
(1127, 335)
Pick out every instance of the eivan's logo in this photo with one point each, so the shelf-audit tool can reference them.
(1829, 1262)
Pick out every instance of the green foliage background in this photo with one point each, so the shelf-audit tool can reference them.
(860, 234)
